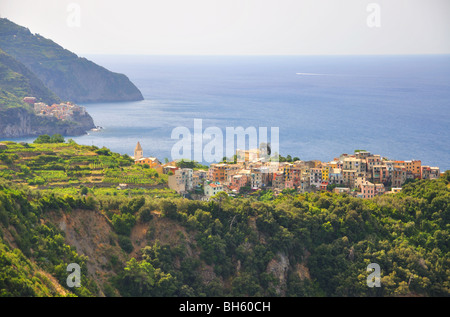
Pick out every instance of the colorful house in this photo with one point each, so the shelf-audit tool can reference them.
(315, 176)
(370, 190)
(150, 161)
(325, 172)
(211, 189)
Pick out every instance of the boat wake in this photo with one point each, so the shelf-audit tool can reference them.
(310, 74)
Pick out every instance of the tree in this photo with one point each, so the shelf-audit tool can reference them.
(125, 243)
(245, 285)
(84, 190)
(169, 209)
(145, 215)
(138, 278)
(44, 138)
(123, 223)
(56, 138)
(104, 151)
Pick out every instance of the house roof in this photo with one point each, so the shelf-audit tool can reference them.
(148, 158)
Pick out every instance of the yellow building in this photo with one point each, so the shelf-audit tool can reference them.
(287, 170)
(325, 172)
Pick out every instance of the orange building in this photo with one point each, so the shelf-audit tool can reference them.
(151, 161)
(414, 166)
(217, 172)
(398, 175)
(221, 172)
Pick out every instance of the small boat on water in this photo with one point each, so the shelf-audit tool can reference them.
(97, 128)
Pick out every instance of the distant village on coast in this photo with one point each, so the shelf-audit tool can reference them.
(63, 111)
(362, 174)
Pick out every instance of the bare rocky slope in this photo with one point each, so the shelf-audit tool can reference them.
(92, 235)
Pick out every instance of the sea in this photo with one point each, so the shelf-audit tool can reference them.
(323, 106)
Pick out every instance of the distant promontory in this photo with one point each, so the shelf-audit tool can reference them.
(41, 84)
(70, 77)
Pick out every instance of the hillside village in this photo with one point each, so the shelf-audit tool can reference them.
(362, 174)
(63, 111)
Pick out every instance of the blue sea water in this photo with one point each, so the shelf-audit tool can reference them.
(395, 106)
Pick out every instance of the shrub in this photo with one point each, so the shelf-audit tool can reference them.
(123, 223)
(125, 244)
(145, 215)
(45, 138)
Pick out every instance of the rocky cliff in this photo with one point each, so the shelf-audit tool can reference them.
(19, 122)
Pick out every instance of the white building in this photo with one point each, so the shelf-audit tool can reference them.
(212, 189)
(315, 178)
(181, 180)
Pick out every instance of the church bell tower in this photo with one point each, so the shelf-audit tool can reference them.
(138, 153)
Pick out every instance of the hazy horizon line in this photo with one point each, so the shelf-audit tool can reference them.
(281, 55)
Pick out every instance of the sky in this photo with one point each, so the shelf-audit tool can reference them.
(238, 27)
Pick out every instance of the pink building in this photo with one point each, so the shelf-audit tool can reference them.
(369, 190)
(289, 184)
(380, 173)
(238, 181)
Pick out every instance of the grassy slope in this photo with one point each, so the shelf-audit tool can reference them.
(70, 77)
(66, 165)
(16, 82)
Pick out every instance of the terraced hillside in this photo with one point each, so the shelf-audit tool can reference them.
(70, 165)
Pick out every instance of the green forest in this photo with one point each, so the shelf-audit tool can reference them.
(150, 242)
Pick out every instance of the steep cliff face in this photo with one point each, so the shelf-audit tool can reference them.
(70, 77)
(279, 267)
(19, 122)
(83, 81)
